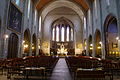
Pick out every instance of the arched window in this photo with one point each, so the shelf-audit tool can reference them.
(53, 34)
(84, 23)
(17, 2)
(29, 8)
(57, 34)
(71, 34)
(68, 33)
(108, 2)
(40, 19)
(95, 4)
(13, 46)
(35, 18)
(63, 34)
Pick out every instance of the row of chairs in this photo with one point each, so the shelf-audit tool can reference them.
(14, 66)
(101, 67)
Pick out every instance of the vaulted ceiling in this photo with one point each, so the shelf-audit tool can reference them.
(42, 3)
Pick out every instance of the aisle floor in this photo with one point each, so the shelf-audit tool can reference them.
(61, 71)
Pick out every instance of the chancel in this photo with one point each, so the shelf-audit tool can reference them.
(59, 40)
(62, 50)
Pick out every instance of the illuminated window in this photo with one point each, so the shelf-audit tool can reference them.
(53, 34)
(68, 31)
(84, 23)
(57, 34)
(35, 19)
(17, 2)
(40, 24)
(108, 2)
(29, 8)
(95, 3)
(63, 34)
(71, 34)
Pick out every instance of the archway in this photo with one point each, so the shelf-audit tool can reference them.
(34, 45)
(111, 37)
(98, 42)
(13, 46)
(26, 43)
(90, 46)
(62, 38)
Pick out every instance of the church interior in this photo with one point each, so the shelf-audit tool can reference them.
(59, 40)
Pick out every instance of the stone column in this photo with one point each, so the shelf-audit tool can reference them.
(93, 42)
(87, 47)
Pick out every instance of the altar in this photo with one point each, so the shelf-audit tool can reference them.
(62, 51)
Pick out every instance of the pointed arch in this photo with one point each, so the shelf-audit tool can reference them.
(13, 46)
(98, 43)
(26, 42)
(110, 34)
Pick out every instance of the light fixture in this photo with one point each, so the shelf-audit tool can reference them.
(85, 48)
(6, 36)
(117, 52)
(90, 57)
(113, 52)
(33, 48)
(99, 47)
(91, 44)
(23, 41)
(100, 42)
(110, 52)
(99, 59)
(39, 46)
(26, 46)
(117, 38)
(91, 48)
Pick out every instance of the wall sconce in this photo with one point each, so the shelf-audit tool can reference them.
(23, 41)
(25, 46)
(39, 46)
(100, 42)
(33, 48)
(117, 38)
(110, 52)
(117, 52)
(99, 47)
(91, 44)
(6, 36)
(91, 48)
(113, 52)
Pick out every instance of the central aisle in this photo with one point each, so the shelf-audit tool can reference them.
(61, 71)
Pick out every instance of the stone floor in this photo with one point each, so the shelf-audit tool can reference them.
(60, 72)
